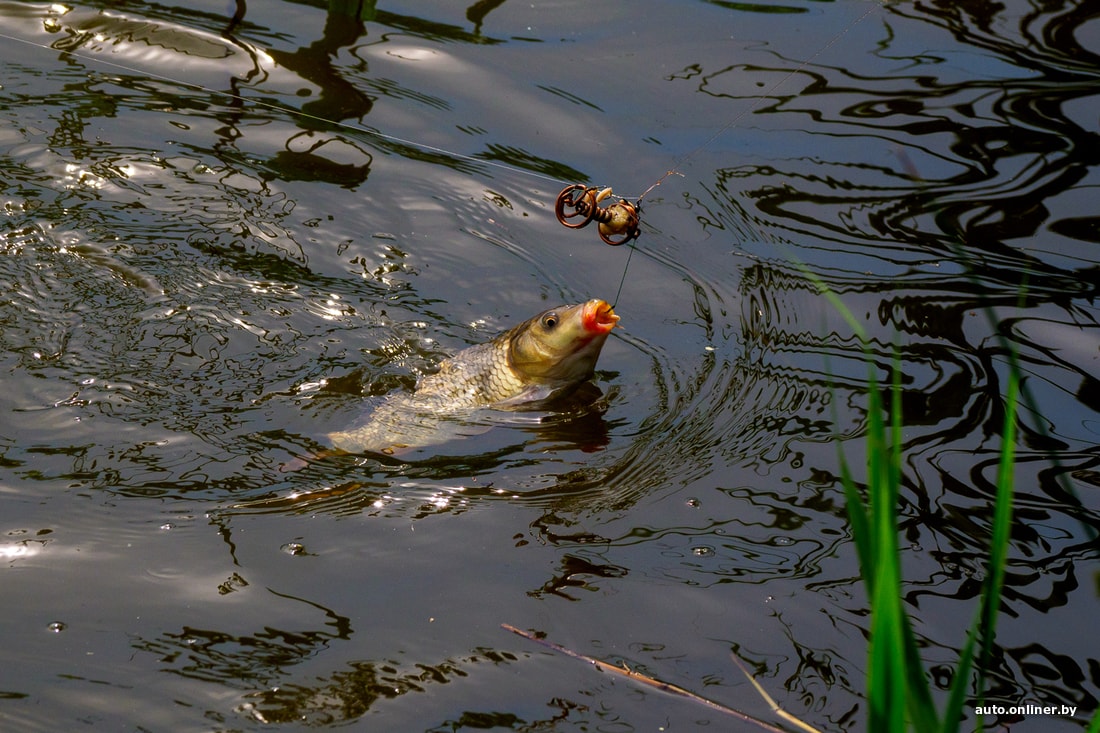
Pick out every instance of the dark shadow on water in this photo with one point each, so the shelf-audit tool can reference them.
(161, 351)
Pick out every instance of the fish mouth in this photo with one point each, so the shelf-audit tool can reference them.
(599, 317)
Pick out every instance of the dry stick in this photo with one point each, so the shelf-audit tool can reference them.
(768, 698)
(653, 682)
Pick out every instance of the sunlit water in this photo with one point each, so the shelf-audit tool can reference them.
(210, 259)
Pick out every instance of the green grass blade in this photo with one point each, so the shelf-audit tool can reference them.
(1002, 526)
(886, 663)
(960, 686)
(897, 684)
(1094, 726)
(922, 711)
(857, 517)
(985, 622)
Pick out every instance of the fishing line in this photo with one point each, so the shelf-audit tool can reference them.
(586, 204)
(683, 160)
(629, 254)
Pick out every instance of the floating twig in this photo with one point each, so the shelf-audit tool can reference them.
(669, 687)
(768, 699)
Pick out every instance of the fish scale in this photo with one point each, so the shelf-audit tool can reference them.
(476, 376)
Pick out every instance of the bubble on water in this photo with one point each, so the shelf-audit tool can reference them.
(783, 541)
(294, 548)
(692, 502)
(56, 627)
(167, 526)
(703, 551)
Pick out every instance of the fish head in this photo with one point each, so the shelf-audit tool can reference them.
(559, 347)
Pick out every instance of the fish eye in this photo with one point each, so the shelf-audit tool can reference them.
(550, 320)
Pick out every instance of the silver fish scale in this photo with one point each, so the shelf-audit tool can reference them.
(474, 377)
(478, 375)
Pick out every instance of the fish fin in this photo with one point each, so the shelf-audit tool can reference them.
(529, 398)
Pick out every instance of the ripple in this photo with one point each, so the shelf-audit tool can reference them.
(195, 286)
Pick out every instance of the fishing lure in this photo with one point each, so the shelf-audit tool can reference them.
(618, 222)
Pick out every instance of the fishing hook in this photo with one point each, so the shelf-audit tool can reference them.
(618, 222)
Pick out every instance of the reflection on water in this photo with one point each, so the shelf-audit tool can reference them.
(226, 231)
(255, 662)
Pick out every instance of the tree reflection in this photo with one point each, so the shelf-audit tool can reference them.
(261, 666)
(926, 188)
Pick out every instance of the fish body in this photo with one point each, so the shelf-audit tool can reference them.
(540, 360)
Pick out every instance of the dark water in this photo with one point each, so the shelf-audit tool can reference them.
(196, 284)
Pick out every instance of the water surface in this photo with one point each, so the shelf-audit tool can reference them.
(228, 229)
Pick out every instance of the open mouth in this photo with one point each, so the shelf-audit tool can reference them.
(599, 316)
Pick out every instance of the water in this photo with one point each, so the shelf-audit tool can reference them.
(196, 285)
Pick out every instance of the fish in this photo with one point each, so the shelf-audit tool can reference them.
(529, 367)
